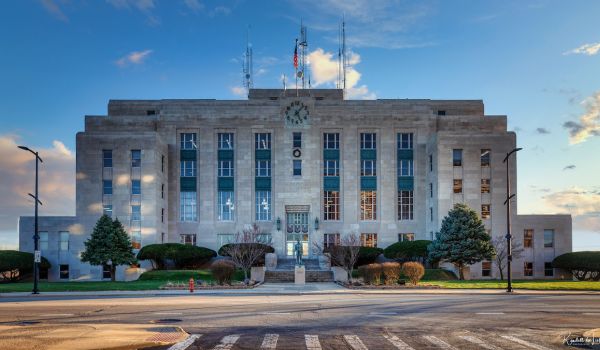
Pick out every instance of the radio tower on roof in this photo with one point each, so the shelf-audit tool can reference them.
(303, 45)
(342, 57)
(247, 67)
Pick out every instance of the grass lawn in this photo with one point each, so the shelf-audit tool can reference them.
(519, 284)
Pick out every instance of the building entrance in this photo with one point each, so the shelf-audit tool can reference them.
(297, 230)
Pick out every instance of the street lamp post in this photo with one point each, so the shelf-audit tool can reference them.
(36, 236)
(508, 234)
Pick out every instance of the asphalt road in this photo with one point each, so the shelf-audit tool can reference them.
(408, 321)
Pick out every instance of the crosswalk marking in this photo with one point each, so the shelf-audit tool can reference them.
(227, 342)
(440, 343)
(182, 345)
(524, 342)
(355, 342)
(397, 342)
(270, 341)
(312, 342)
(479, 342)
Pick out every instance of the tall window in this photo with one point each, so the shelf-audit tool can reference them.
(188, 168)
(136, 212)
(430, 190)
(187, 206)
(162, 191)
(528, 268)
(331, 205)
(162, 163)
(226, 205)
(136, 187)
(368, 239)
(430, 162)
(368, 141)
(548, 269)
(107, 160)
(106, 271)
(457, 186)
(107, 209)
(405, 141)
(405, 205)
(457, 157)
(297, 170)
(331, 240)
(136, 158)
(485, 157)
(43, 240)
(64, 240)
(63, 271)
(485, 185)
(225, 140)
(225, 168)
(548, 238)
(162, 215)
(405, 167)
(297, 139)
(485, 211)
(331, 141)
(262, 141)
(107, 187)
(330, 168)
(188, 141)
(136, 239)
(263, 205)
(486, 268)
(406, 237)
(189, 239)
(528, 238)
(368, 167)
(368, 205)
(263, 168)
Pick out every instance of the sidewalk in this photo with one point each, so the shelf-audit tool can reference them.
(292, 289)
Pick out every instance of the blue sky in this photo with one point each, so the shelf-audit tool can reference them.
(536, 61)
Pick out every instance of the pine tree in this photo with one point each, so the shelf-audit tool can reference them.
(462, 240)
(109, 244)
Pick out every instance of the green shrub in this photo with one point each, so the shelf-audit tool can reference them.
(371, 273)
(184, 256)
(585, 266)
(223, 271)
(408, 251)
(260, 262)
(391, 272)
(14, 264)
(367, 255)
(414, 271)
(438, 275)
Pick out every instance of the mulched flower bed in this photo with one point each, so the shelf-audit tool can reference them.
(207, 286)
(359, 285)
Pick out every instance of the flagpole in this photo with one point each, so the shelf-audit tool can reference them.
(296, 65)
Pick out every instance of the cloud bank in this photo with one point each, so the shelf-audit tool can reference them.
(585, 49)
(588, 123)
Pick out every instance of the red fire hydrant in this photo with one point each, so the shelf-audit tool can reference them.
(191, 283)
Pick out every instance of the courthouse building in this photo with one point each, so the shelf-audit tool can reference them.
(304, 165)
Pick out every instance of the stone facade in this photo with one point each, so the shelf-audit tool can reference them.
(155, 128)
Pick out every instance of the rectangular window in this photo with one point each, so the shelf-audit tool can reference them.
(226, 205)
(297, 167)
(262, 141)
(486, 268)
(430, 162)
(63, 272)
(331, 141)
(485, 185)
(263, 168)
(225, 168)
(406, 237)
(136, 239)
(368, 141)
(330, 168)
(136, 212)
(368, 168)
(548, 238)
(106, 271)
(187, 206)
(331, 205)
(162, 191)
(528, 238)
(64, 240)
(136, 158)
(548, 269)
(405, 167)
(162, 164)
(43, 240)
(457, 157)
(225, 140)
(188, 168)
(263, 205)
(189, 239)
(331, 240)
(430, 190)
(405, 141)
(136, 187)
(368, 205)
(485, 157)
(264, 238)
(107, 160)
(297, 140)
(485, 211)
(107, 209)
(188, 141)
(528, 268)
(107, 187)
(225, 238)
(162, 215)
(405, 205)
(368, 239)
(430, 213)
(457, 186)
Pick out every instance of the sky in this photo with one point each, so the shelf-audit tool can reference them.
(538, 62)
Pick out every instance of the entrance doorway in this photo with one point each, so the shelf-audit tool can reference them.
(297, 229)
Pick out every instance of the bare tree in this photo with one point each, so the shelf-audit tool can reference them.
(344, 254)
(247, 249)
(501, 257)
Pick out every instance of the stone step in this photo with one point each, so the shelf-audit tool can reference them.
(282, 276)
(289, 264)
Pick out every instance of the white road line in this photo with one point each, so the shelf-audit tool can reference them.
(227, 342)
(312, 342)
(355, 342)
(270, 341)
(397, 342)
(524, 342)
(55, 315)
(490, 313)
(182, 345)
(479, 342)
(438, 342)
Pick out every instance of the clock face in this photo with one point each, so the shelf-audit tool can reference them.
(296, 113)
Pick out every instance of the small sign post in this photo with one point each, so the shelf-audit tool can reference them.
(37, 256)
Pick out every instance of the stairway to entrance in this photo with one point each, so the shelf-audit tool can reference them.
(285, 272)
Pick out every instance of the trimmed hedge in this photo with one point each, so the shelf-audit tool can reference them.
(184, 256)
(367, 255)
(585, 266)
(414, 271)
(260, 262)
(408, 251)
(14, 265)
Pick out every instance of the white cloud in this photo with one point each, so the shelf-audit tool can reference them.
(586, 49)
(194, 5)
(54, 10)
(239, 91)
(134, 57)
(589, 122)
(144, 6)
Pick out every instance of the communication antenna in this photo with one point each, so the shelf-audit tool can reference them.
(247, 67)
(338, 83)
(344, 56)
(303, 44)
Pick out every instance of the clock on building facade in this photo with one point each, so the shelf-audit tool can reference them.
(296, 114)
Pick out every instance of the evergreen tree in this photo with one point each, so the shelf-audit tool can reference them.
(109, 244)
(462, 240)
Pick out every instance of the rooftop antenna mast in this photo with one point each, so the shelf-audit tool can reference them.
(303, 44)
(247, 68)
(338, 83)
(344, 56)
